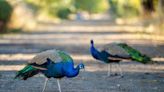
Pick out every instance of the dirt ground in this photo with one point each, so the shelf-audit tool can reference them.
(74, 37)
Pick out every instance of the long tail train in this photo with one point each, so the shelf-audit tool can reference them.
(135, 54)
(26, 72)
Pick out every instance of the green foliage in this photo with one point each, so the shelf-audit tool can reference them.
(14, 30)
(5, 11)
(155, 2)
(59, 8)
(5, 14)
(92, 6)
(125, 8)
(63, 13)
(62, 8)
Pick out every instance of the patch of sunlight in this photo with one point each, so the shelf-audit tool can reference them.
(161, 59)
(82, 39)
(93, 68)
(74, 28)
(11, 67)
(84, 58)
(16, 56)
(30, 56)
(74, 56)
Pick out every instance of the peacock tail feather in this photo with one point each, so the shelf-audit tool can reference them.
(135, 54)
(26, 72)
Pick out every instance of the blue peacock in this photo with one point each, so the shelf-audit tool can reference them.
(129, 53)
(51, 63)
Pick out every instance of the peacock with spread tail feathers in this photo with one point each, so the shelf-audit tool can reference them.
(51, 63)
(122, 52)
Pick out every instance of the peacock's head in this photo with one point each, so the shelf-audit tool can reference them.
(81, 66)
(92, 42)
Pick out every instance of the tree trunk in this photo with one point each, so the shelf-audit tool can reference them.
(161, 10)
(1, 26)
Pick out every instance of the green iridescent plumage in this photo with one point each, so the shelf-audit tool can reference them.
(135, 54)
(26, 72)
(65, 57)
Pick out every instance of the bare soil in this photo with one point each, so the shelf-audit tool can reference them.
(74, 37)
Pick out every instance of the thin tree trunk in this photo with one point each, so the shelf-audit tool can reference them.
(2, 26)
(161, 10)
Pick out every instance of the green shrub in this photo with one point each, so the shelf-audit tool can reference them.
(53, 8)
(125, 8)
(5, 14)
(92, 6)
(63, 13)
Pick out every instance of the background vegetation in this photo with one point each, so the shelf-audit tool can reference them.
(5, 14)
(92, 6)
(62, 9)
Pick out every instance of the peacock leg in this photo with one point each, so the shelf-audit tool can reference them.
(120, 69)
(59, 85)
(45, 84)
(84, 69)
(109, 69)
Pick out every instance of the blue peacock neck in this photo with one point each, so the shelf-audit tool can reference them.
(73, 72)
(93, 49)
(92, 46)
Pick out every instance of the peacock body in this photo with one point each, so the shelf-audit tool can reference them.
(116, 52)
(51, 63)
(105, 56)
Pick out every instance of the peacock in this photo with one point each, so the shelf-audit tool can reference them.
(129, 53)
(51, 63)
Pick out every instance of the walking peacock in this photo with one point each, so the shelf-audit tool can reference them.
(123, 52)
(51, 63)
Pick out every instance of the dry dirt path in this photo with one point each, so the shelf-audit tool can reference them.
(74, 37)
